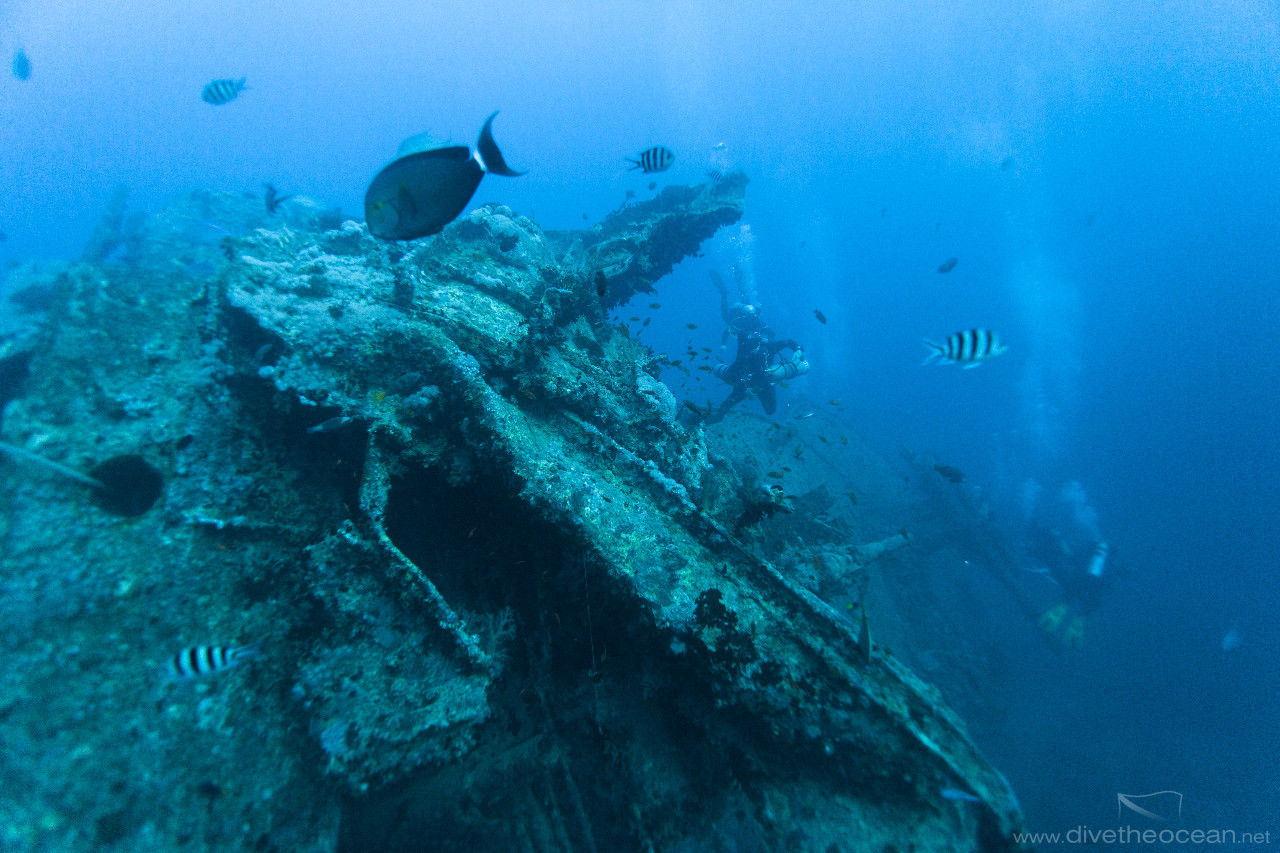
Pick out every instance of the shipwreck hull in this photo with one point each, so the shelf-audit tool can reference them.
(502, 605)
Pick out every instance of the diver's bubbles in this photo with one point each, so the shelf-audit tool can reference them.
(1029, 497)
(1085, 516)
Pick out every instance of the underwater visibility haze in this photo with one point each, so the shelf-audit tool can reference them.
(379, 474)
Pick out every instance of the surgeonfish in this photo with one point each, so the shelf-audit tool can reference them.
(969, 348)
(219, 92)
(199, 661)
(948, 265)
(273, 199)
(428, 184)
(21, 65)
(655, 159)
(330, 425)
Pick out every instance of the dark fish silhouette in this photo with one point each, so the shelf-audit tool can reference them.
(655, 159)
(948, 265)
(950, 473)
(822, 318)
(220, 92)
(428, 185)
(273, 200)
(653, 185)
(21, 65)
(1007, 163)
(602, 284)
(405, 383)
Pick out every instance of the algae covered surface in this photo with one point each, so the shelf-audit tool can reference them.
(507, 594)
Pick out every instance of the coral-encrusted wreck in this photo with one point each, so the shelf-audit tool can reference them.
(500, 596)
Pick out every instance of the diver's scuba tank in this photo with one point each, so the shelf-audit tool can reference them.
(789, 368)
(1099, 561)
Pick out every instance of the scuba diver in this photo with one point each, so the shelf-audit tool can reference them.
(753, 369)
(1080, 583)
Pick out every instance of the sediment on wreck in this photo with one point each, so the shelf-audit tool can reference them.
(500, 595)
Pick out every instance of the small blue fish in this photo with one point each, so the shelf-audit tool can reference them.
(330, 425)
(958, 795)
(219, 92)
(199, 661)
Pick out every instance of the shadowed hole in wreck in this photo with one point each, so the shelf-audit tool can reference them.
(132, 485)
(591, 715)
(13, 371)
(329, 462)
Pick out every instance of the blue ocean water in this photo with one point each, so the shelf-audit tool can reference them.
(1104, 174)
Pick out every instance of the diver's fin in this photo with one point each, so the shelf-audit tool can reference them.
(490, 157)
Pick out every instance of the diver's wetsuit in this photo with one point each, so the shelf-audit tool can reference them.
(750, 371)
(1069, 567)
(1081, 581)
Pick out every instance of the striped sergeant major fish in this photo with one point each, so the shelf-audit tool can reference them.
(220, 92)
(199, 661)
(655, 159)
(969, 348)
